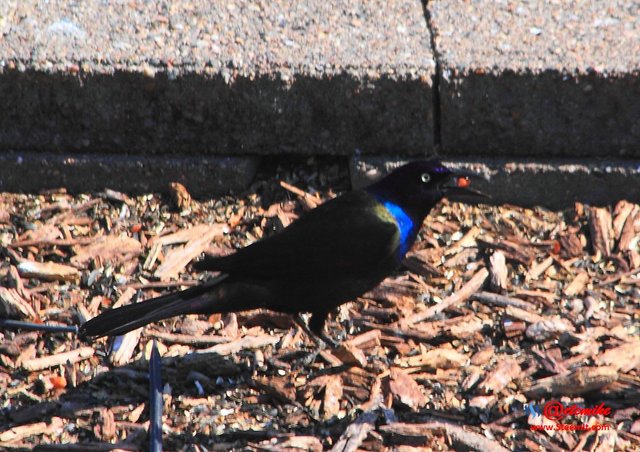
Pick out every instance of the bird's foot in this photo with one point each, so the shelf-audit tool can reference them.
(329, 341)
(321, 340)
(309, 358)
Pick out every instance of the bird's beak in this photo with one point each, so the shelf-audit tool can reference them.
(457, 188)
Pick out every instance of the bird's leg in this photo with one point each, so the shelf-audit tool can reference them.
(309, 357)
(316, 324)
(302, 324)
(315, 329)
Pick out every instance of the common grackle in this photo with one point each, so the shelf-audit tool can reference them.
(331, 255)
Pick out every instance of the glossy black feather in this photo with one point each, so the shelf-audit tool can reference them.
(344, 235)
(331, 255)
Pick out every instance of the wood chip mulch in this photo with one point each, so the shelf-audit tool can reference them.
(499, 311)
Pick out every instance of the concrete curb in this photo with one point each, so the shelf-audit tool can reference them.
(538, 79)
(496, 80)
(227, 78)
(204, 176)
(134, 113)
(551, 183)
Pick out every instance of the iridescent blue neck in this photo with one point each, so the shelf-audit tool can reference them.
(405, 223)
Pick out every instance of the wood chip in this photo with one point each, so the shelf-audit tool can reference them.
(634, 258)
(293, 443)
(577, 285)
(620, 215)
(5, 216)
(333, 391)
(468, 240)
(548, 298)
(470, 440)
(438, 358)
(24, 431)
(57, 242)
(502, 300)
(512, 250)
(472, 378)
(367, 340)
(180, 196)
(482, 356)
(579, 381)
(375, 399)
(499, 271)
(464, 257)
(124, 347)
(523, 314)
(48, 271)
(483, 402)
(178, 258)
(468, 327)
(353, 436)
(571, 245)
(330, 358)
(185, 235)
(14, 281)
(537, 269)
(404, 390)
(628, 232)
(44, 233)
(153, 255)
(422, 263)
(115, 195)
(476, 283)
(625, 357)
(58, 359)
(351, 355)
(105, 428)
(243, 343)
(558, 323)
(505, 371)
(548, 328)
(279, 388)
(601, 230)
(108, 249)
(13, 305)
(309, 201)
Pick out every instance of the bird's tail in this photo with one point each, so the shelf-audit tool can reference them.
(121, 320)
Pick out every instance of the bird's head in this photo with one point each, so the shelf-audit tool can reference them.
(419, 185)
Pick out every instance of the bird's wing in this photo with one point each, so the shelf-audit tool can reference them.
(349, 234)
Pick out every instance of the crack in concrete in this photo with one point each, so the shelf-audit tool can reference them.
(437, 136)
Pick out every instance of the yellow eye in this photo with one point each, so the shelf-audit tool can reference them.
(425, 177)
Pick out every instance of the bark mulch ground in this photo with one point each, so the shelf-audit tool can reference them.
(505, 325)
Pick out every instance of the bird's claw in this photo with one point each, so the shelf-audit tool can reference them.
(309, 358)
(321, 340)
(329, 341)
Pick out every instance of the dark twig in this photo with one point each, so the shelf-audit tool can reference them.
(19, 324)
(155, 401)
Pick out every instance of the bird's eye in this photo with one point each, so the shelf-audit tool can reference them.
(425, 177)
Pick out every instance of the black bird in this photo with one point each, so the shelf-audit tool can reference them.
(334, 253)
